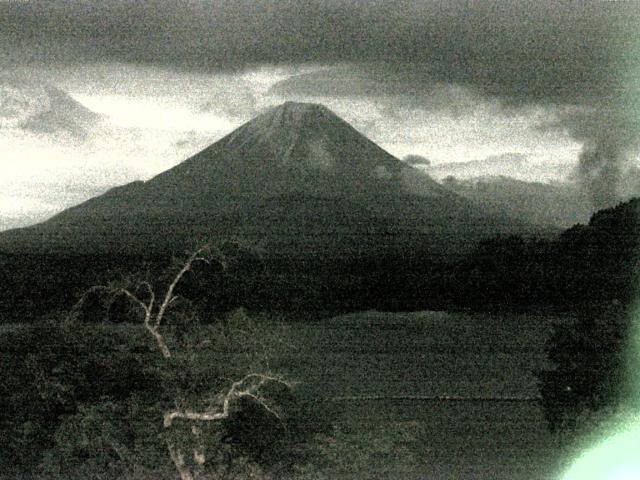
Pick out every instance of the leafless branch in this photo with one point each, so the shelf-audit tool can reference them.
(249, 386)
(178, 460)
(148, 323)
(197, 256)
(152, 322)
(80, 303)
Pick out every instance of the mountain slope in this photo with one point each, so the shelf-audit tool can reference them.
(559, 205)
(297, 178)
(293, 148)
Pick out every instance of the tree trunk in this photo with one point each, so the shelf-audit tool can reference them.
(178, 460)
(164, 349)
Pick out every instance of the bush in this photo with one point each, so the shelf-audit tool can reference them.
(589, 368)
(110, 437)
(50, 370)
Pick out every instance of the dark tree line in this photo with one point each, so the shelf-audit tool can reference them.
(598, 265)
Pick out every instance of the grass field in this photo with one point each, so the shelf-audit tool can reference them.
(429, 395)
(426, 395)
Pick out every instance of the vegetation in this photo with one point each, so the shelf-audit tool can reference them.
(600, 262)
(89, 390)
(372, 353)
(592, 264)
(80, 399)
(588, 372)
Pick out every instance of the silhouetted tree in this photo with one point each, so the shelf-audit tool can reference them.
(588, 365)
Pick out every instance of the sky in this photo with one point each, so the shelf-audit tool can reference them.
(99, 93)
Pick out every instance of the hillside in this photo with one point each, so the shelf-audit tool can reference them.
(596, 263)
(551, 204)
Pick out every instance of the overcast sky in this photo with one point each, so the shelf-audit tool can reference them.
(98, 93)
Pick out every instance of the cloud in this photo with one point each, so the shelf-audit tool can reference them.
(118, 123)
(460, 78)
(502, 160)
(530, 50)
(511, 164)
(396, 89)
(413, 159)
(238, 105)
(608, 164)
(445, 123)
(55, 152)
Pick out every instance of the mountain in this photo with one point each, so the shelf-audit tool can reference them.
(28, 107)
(297, 178)
(552, 204)
(8, 222)
(295, 148)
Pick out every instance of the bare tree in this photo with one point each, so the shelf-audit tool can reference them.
(249, 387)
(154, 312)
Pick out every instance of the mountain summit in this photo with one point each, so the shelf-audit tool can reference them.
(298, 148)
(297, 178)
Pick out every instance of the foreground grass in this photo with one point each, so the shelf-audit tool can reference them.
(426, 395)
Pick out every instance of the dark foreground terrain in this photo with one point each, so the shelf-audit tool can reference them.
(430, 395)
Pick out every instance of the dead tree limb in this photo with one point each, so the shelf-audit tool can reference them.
(247, 387)
(153, 318)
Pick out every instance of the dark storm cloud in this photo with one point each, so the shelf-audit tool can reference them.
(520, 50)
(611, 139)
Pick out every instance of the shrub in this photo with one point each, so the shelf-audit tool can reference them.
(84, 396)
(82, 400)
(588, 359)
(51, 369)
